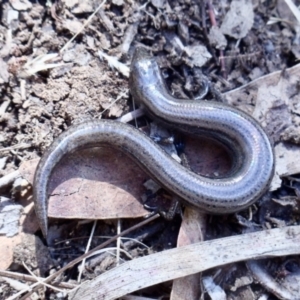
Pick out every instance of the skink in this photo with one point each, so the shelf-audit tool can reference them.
(245, 139)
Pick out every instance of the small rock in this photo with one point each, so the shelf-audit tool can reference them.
(9, 217)
(158, 3)
(20, 4)
(118, 2)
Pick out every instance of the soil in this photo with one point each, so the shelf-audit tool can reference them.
(194, 42)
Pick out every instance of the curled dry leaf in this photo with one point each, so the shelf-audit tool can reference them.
(274, 101)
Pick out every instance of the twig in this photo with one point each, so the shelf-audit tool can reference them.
(15, 284)
(214, 23)
(9, 178)
(41, 281)
(131, 115)
(119, 223)
(86, 250)
(114, 63)
(83, 26)
(24, 277)
(80, 258)
(134, 241)
(294, 9)
(134, 297)
(18, 146)
(174, 263)
(266, 280)
(120, 96)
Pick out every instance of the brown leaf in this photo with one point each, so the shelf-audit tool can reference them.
(94, 184)
(102, 183)
(7, 246)
(276, 98)
(192, 230)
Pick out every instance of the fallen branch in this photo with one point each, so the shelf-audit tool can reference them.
(170, 264)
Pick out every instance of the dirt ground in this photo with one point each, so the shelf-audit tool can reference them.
(48, 82)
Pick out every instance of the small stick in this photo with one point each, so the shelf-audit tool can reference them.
(101, 246)
(215, 23)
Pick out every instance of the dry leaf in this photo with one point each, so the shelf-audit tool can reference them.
(9, 217)
(274, 101)
(101, 183)
(174, 263)
(96, 183)
(239, 19)
(20, 4)
(198, 54)
(7, 246)
(192, 230)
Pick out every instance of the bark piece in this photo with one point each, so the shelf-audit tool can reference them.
(170, 264)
